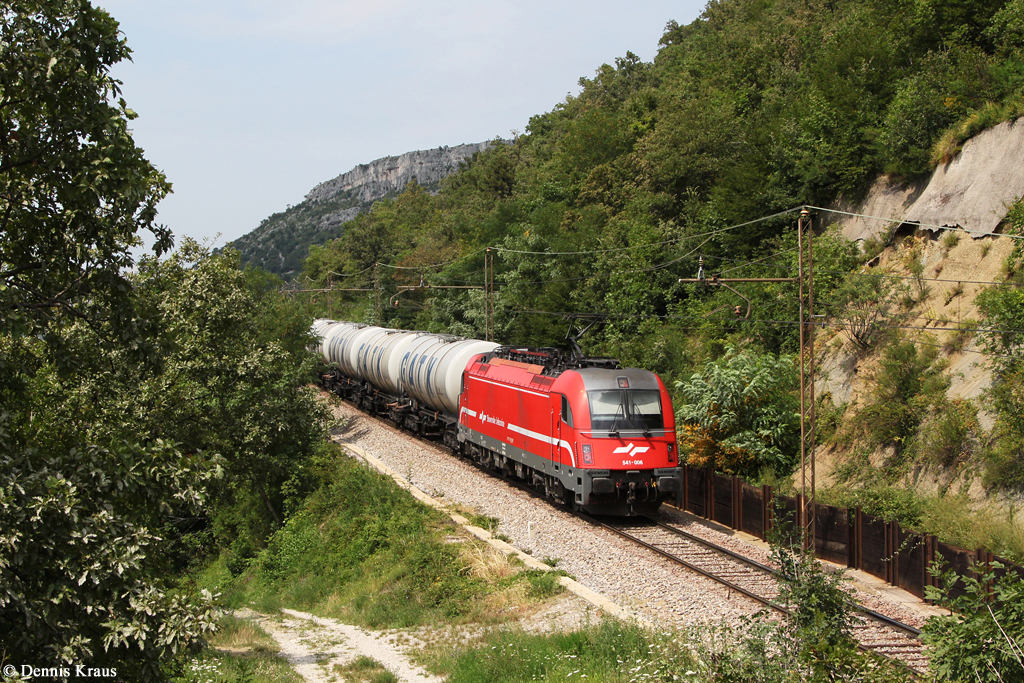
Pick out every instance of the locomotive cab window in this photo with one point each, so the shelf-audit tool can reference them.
(625, 409)
(566, 412)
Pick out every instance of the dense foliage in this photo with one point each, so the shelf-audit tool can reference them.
(754, 108)
(1003, 308)
(127, 399)
(608, 199)
(78, 502)
(984, 640)
(740, 414)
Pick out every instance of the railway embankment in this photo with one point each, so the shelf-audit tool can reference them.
(413, 563)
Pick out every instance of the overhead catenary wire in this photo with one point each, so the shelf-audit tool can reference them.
(742, 264)
(682, 238)
(887, 276)
(434, 265)
(789, 323)
(689, 237)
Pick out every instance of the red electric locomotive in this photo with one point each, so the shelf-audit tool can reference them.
(593, 434)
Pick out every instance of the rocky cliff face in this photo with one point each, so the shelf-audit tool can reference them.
(282, 241)
(369, 182)
(972, 191)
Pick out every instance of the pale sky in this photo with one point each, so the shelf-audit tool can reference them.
(247, 104)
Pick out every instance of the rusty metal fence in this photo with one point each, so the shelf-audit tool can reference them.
(845, 536)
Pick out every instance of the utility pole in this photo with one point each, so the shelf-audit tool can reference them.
(807, 407)
(376, 289)
(330, 302)
(489, 294)
(805, 271)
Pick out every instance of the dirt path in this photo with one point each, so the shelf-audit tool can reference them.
(313, 645)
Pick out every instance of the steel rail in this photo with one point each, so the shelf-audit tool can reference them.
(894, 623)
(875, 648)
(675, 558)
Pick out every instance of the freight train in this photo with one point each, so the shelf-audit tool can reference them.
(588, 432)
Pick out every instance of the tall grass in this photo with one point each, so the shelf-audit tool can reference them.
(988, 115)
(241, 652)
(612, 651)
(365, 669)
(365, 551)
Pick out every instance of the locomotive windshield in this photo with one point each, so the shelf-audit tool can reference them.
(625, 409)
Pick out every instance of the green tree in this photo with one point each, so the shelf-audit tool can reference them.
(75, 190)
(81, 560)
(234, 382)
(862, 305)
(905, 387)
(740, 414)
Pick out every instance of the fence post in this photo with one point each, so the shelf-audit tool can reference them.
(709, 494)
(851, 537)
(767, 509)
(686, 486)
(887, 557)
(928, 556)
(737, 503)
(894, 565)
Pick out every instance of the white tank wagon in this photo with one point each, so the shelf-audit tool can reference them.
(415, 378)
(379, 357)
(331, 332)
(432, 368)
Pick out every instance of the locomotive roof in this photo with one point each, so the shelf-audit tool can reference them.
(551, 361)
(597, 379)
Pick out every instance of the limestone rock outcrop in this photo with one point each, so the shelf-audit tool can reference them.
(282, 241)
(973, 191)
(369, 182)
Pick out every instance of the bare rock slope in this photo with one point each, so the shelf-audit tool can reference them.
(973, 191)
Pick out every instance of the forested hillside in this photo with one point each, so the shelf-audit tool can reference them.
(156, 413)
(754, 109)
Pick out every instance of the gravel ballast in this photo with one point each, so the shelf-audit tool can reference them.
(651, 587)
(648, 585)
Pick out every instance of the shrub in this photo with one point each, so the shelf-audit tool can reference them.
(949, 438)
(953, 292)
(984, 640)
(950, 240)
(984, 117)
(740, 414)
(862, 304)
(958, 339)
(905, 386)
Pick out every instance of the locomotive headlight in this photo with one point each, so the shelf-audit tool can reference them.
(671, 452)
(588, 454)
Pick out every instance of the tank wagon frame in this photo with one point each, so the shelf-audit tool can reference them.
(526, 413)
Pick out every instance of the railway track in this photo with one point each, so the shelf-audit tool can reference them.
(873, 631)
